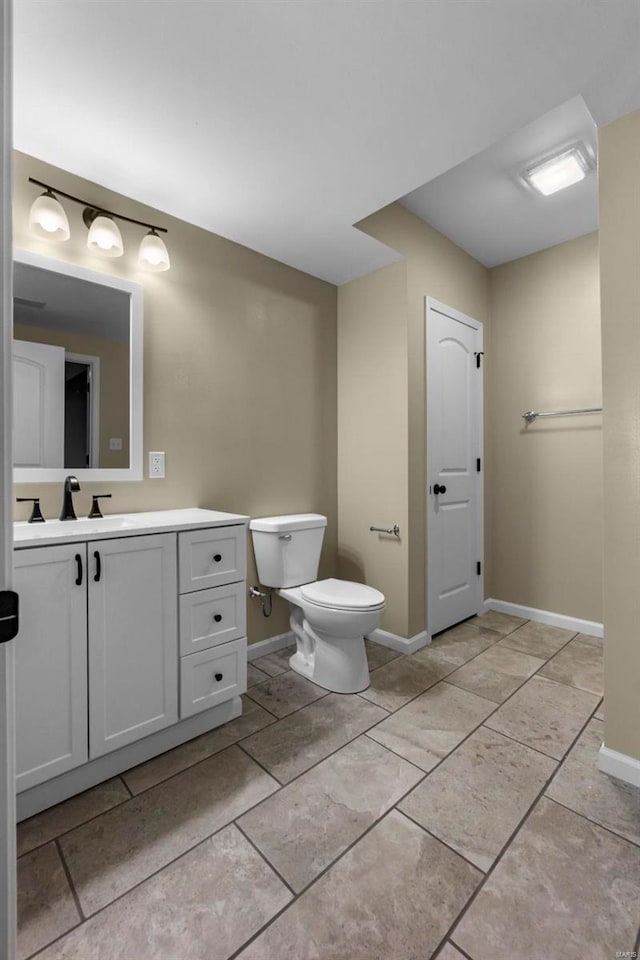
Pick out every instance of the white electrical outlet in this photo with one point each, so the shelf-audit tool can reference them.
(156, 464)
(115, 443)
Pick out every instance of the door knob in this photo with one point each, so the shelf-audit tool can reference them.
(439, 488)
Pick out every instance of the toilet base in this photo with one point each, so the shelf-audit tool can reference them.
(339, 665)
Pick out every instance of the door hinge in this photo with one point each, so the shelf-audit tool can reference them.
(477, 464)
(478, 354)
(9, 615)
(478, 568)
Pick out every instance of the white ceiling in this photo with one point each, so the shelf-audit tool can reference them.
(485, 208)
(279, 124)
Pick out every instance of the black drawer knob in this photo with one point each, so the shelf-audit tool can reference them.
(217, 557)
(218, 677)
(217, 617)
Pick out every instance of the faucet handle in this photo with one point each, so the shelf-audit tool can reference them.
(36, 513)
(95, 506)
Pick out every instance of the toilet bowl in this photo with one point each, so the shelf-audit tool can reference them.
(329, 618)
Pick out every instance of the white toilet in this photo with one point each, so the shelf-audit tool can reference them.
(328, 617)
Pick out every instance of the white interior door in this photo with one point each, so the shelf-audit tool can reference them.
(454, 466)
(38, 404)
(7, 726)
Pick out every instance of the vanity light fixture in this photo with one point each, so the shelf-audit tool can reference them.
(48, 219)
(559, 170)
(153, 254)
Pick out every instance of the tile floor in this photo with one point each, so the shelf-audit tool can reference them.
(453, 810)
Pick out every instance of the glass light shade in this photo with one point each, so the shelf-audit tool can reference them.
(105, 238)
(556, 173)
(47, 218)
(153, 254)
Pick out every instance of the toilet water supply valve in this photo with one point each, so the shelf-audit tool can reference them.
(266, 600)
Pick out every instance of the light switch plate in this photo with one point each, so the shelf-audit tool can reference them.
(156, 464)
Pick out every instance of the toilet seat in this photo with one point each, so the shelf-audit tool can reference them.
(342, 595)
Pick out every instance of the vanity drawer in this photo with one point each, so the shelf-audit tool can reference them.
(212, 676)
(209, 558)
(211, 617)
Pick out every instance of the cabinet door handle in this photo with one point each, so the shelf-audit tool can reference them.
(217, 617)
(98, 566)
(79, 576)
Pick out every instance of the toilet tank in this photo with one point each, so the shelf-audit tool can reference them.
(287, 549)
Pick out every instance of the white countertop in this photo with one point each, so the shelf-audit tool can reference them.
(120, 525)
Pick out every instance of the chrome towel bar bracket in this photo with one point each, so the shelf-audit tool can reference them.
(392, 531)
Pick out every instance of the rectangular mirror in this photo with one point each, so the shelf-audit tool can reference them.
(77, 372)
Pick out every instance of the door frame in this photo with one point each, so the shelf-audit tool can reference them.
(431, 304)
(94, 402)
(8, 921)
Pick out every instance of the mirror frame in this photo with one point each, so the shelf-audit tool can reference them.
(136, 329)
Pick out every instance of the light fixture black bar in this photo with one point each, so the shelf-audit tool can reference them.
(95, 206)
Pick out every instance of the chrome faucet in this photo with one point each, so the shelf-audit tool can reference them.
(71, 486)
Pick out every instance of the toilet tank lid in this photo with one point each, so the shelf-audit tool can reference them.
(294, 521)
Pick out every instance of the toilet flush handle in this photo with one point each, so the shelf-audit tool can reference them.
(284, 536)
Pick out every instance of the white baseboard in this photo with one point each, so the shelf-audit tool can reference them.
(403, 644)
(590, 627)
(619, 765)
(270, 645)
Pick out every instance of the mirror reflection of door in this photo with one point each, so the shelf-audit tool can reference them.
(71, 371)
(81, 411)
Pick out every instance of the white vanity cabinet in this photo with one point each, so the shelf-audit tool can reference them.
(133, 661)
(51, 662)
(132, 640)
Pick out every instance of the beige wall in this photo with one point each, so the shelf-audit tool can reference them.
(619, 197)
(433, 266)
(114, 383)
(373, 436)
(240, 374)
(547, 477)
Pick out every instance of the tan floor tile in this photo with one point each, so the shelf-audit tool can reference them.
(477, 796)
(377, 654)
(119, 849)
(397, 682)
(202, 907)
(309, 823)
(580, 785)
(538, 639)
(545, 715)
(254, 675)
(166, 765)
(565, 888)
(458, 645)
(290, 746)
(496, 673)
(393, 896)
(275, 663)
(579, 664)
(65, 816)
(286, 693)
(46, 908)
(449, 952)
(502, 623)
(433, 724)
